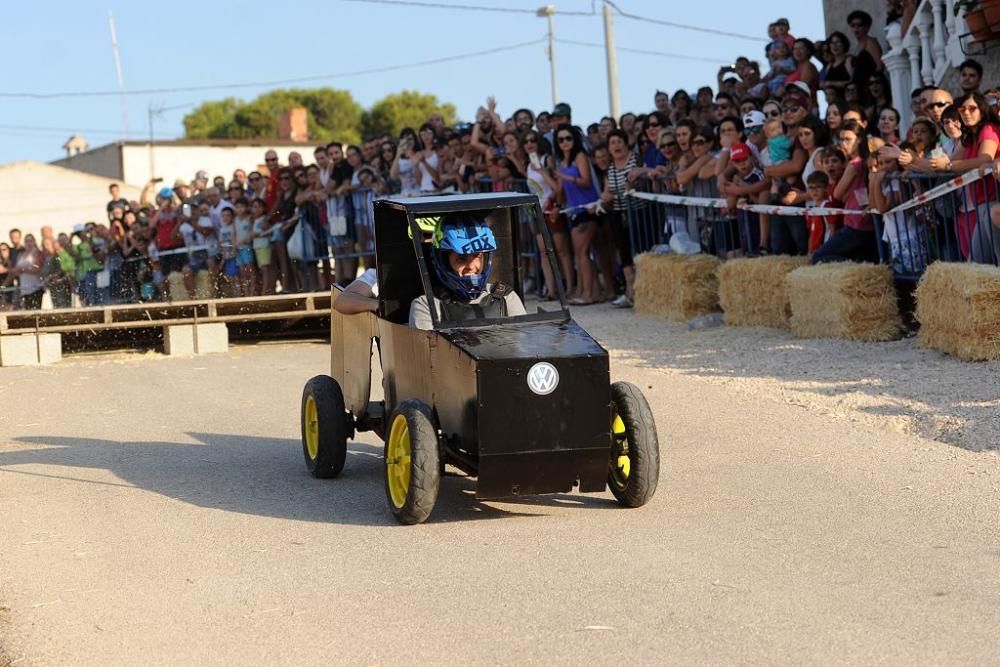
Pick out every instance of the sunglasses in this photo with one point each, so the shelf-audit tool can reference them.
(530, 140)
(270, 159)
(649, 125)
(564, 139)
(968, 109)
(792, 108)
(936, 105)
(668, 144)
(756, 129)
(254, 179)
(773, 114)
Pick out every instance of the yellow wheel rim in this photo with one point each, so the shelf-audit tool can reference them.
(397, 461)
(312, 428)
(621, 465)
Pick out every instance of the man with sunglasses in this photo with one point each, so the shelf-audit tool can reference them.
(271, 194)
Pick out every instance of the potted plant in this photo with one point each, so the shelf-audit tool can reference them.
(975, 17)
(991, 10)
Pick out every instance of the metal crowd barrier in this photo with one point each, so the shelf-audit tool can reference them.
(955, 227)
(531, 261)
(653, 223)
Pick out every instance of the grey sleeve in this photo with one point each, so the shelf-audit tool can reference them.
(514, 305)
(420, 314)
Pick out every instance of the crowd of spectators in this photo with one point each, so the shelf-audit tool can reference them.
(757, 136)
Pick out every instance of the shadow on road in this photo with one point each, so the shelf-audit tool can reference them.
(260, 476)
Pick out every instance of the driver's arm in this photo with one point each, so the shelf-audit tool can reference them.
(358, 297)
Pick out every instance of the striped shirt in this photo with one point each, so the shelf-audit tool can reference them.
(618, 184)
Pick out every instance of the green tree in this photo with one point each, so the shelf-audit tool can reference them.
(210, 119)
(332, 114)
(408, 108)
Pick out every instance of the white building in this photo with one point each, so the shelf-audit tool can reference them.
(36, 195)
(135, 162)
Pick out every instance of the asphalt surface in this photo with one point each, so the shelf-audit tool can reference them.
(157, 511)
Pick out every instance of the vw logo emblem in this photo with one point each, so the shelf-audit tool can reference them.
(543, 378)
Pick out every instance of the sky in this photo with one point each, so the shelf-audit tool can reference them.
(65, 46)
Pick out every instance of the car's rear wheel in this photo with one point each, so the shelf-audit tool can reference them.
(325, 427)
(412, 462)
(634, 468)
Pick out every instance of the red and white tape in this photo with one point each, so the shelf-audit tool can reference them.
(954, 184)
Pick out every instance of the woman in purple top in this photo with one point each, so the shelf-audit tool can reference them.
(575, 178)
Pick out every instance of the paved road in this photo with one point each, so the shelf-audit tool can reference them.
(156, 511)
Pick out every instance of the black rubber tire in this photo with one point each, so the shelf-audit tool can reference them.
(425, 467)
(643, 445)
(334, 427)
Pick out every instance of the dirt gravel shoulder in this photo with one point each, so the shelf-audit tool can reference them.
(899, 386)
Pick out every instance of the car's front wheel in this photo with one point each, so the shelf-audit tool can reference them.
(412, 462)
(634, 468)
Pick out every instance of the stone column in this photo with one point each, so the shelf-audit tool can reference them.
(925, 24)
(897, 67)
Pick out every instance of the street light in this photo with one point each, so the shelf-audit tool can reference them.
(547, 11)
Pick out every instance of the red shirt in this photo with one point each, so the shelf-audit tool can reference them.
(986, 189)
(166, 222)
(271, 194)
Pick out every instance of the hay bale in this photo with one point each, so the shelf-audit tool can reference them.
(203, 287)
(844, 300)
(175, 285)
(752, 291)
(958, 307)
(677, 287)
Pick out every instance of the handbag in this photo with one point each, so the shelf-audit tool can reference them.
(103, 278)
(297, 243)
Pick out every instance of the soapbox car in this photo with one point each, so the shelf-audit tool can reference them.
(523, 403)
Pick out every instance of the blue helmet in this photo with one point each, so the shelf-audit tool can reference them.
(464, 235)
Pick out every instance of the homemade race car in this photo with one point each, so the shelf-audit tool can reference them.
(523, 403)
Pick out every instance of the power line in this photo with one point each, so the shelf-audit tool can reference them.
(475, 8)
(663, 54)
(681, 26)
(278, 82)
(37, 128)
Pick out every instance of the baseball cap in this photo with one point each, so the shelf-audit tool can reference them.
(562, 109)
(803, 86)
(732, 76)
(79, 228)
(180, 183)
(202, 175)
(739, 151)
(753, 119)
(165, 193)
(795, 96)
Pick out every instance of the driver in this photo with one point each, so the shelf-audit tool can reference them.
(463, 246)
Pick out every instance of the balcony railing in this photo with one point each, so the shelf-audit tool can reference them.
(923, 55)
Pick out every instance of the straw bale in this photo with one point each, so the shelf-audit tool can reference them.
(958, 306)
(752, 291)
(175, 284)
(203, 288)
(677, 287)
(844, 300)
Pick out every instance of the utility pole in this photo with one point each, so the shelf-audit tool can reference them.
(609, 48)
(153, 111)
(547, 11)
(118, 69)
